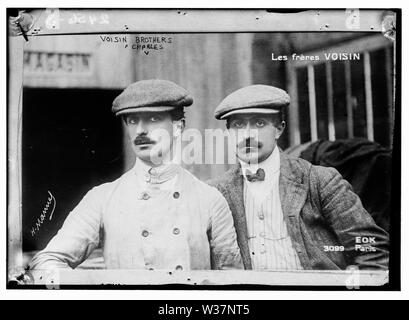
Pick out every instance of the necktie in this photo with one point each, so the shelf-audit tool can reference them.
(258, 176)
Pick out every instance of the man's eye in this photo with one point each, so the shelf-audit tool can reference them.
(132, 121)
(260, 123)
(238, 124)
(155, 118)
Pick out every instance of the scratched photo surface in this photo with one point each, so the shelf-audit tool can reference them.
(341, 115)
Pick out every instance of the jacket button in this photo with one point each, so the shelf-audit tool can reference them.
(176, 231)
(179, 267)
(176, 195)
(145, 233)
(145, 196)
(261, 216)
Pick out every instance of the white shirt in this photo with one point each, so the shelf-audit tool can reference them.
(271, 167)
(269, 242)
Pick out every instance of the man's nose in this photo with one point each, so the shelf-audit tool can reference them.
(141, 128)
(248, 131)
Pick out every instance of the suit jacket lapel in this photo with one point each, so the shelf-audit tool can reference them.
(293, 194)
(236, 202)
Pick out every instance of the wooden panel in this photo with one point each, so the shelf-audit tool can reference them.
(330, 101)
(348, 99)
(312, 103)
(368, 96)
(110, 63)
(294, 126)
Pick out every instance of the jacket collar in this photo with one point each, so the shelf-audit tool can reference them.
(156, 175)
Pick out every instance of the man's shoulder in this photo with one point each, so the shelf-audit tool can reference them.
(225, 179)
(197, 183)
(301, 167)
(109, 186)
(293, 164)
(203, 188)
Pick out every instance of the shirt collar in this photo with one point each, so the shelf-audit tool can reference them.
(156, 175)
(270, 166)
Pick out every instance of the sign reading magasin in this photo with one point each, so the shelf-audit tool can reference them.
(55, 63)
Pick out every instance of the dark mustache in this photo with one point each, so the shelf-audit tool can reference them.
(143, 140)
(249, 142)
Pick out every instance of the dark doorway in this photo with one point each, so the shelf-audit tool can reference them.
(71, 143)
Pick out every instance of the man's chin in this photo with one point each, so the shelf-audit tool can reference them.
(151, 156)
(146, 155)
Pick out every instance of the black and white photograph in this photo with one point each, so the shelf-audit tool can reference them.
(203, 149)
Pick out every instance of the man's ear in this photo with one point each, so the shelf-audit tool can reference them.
(280, 129)
(178, 127)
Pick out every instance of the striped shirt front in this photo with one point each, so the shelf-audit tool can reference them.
(269, 242)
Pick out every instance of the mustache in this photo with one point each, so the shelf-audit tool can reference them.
(143, 140)
(249, 142)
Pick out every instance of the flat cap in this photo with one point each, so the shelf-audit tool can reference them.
(256, 98)
(151, 95)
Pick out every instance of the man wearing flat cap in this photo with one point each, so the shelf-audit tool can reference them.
(288, 213)
(157, 215)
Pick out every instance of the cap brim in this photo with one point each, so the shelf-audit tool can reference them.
(145, 109)
(250, 110)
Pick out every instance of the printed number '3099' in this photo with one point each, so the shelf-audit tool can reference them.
(334, 248)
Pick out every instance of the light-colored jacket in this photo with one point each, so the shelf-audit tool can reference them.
(187, 228)
(321, 213)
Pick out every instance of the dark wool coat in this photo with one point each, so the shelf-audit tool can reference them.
(320, 210)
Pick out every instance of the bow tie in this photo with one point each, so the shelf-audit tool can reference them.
(258, 176)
